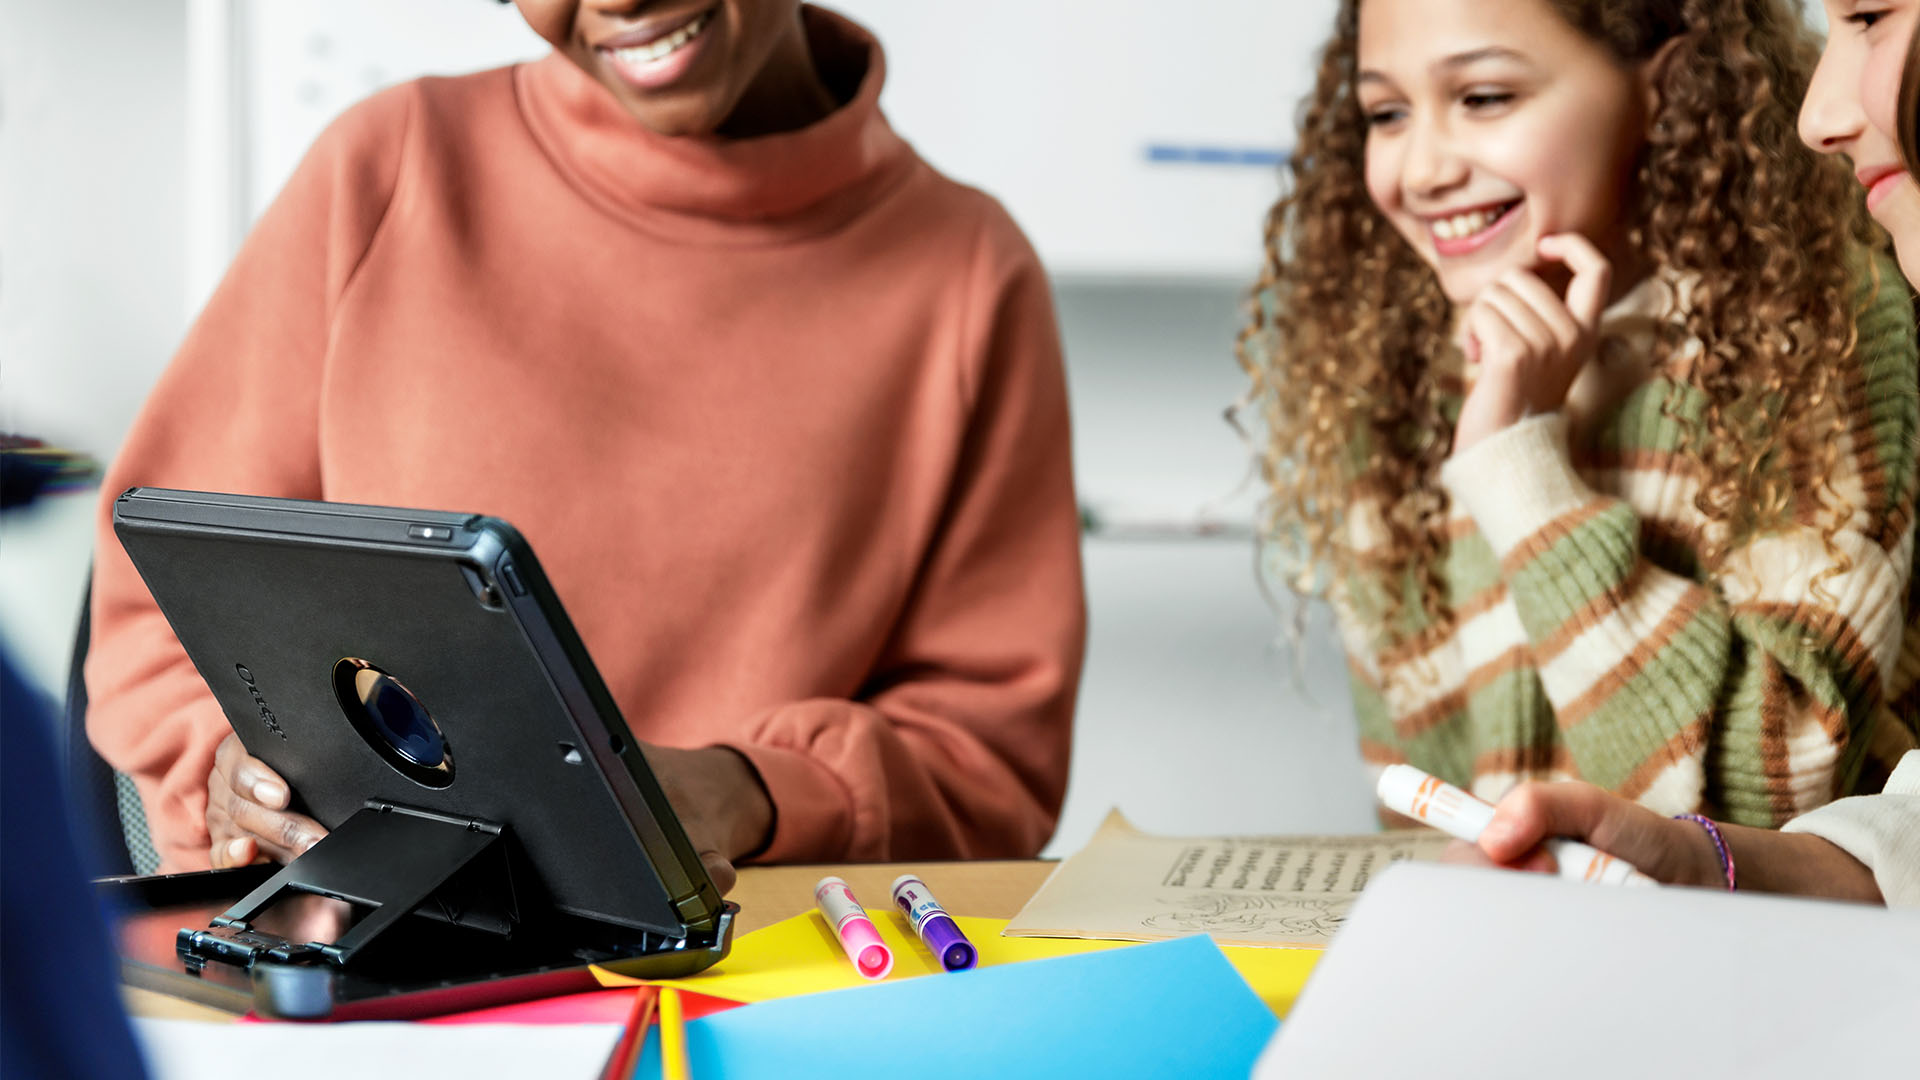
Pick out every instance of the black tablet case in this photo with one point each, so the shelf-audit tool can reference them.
(267, 596)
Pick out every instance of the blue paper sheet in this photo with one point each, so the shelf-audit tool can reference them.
(1172, 1008)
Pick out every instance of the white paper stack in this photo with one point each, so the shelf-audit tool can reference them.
(1448, 971)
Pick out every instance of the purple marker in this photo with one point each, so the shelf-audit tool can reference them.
(932, 923)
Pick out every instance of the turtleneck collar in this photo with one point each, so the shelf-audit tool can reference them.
(706, 188)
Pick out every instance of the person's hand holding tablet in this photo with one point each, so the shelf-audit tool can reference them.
(720, 802)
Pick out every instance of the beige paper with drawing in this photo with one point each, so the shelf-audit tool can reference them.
(1279, 891)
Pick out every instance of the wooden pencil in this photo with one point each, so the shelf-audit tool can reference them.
(633, 1035)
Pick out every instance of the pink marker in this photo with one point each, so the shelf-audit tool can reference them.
(870, 956)
(1406, 790)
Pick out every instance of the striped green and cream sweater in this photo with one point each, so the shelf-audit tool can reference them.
(1586, 643)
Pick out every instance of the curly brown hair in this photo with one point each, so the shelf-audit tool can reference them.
(1356, 377)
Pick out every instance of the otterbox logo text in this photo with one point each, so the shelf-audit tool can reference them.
(260, 702)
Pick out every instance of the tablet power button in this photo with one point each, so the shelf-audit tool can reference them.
(430, 532)
(512, 577)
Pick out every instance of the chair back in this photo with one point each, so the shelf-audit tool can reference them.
(99, 795)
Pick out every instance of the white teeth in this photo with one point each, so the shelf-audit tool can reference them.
(1461, 226)
(661, 48)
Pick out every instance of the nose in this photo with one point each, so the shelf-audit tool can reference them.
(1832, 117)
(1432, 166)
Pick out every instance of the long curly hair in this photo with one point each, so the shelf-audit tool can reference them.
(1355, 375)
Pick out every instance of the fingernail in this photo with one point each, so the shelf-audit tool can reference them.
(237, 850)
(306, 841)
(268, 794)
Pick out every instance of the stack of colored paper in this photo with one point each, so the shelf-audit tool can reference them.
(800, 956)
(1173, 1008)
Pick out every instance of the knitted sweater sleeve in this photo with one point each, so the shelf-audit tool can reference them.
(236, 410)
(1753, 691)
(1882, 831)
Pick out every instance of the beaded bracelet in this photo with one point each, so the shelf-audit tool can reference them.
(1719, 844)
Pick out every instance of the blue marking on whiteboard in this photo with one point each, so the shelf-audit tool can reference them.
(1178, 154)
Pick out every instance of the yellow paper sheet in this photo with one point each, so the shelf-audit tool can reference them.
(801, 956)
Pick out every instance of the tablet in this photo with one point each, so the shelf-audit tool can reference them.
(414, 678)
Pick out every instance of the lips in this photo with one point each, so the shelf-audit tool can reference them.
(660, 51)
(652, 30)
(1463, 231)
(1880, 182)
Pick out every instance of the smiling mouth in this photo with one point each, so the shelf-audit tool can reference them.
(1471, 223)
(665, 46)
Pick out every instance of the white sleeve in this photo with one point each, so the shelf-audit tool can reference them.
(1882, 831)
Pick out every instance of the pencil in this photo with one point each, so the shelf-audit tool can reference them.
(673, 1037)
(626, 1052)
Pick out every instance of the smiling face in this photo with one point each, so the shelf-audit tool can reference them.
(681, 67)
(1852, 109)
(1492, 124)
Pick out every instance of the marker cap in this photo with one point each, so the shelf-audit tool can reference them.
(871, 957)
(1406, 790)
(936, 928)
(857, 934)
(1399, 786)
(944, 940)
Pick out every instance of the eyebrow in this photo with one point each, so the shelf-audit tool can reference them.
(1474, 56)
(1457, 60)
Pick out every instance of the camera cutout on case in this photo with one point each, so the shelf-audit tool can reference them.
(391, 720)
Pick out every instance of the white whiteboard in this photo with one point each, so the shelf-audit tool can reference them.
(1054, 106)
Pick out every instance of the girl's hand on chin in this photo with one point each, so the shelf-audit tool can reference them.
(1528, 342)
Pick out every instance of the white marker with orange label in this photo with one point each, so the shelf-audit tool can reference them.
(1406, 790)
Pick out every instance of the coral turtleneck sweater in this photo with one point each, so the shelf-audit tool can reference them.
(785, 419)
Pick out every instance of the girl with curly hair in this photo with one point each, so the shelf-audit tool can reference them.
(1591, 406)
(1865, 104)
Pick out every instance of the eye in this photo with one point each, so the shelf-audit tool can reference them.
(1865, 19)
(1385, 116)
(1486, 99)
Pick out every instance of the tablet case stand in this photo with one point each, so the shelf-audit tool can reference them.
(388, 858)
(398, 861)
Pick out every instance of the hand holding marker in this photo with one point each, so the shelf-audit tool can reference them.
(1406, 790)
